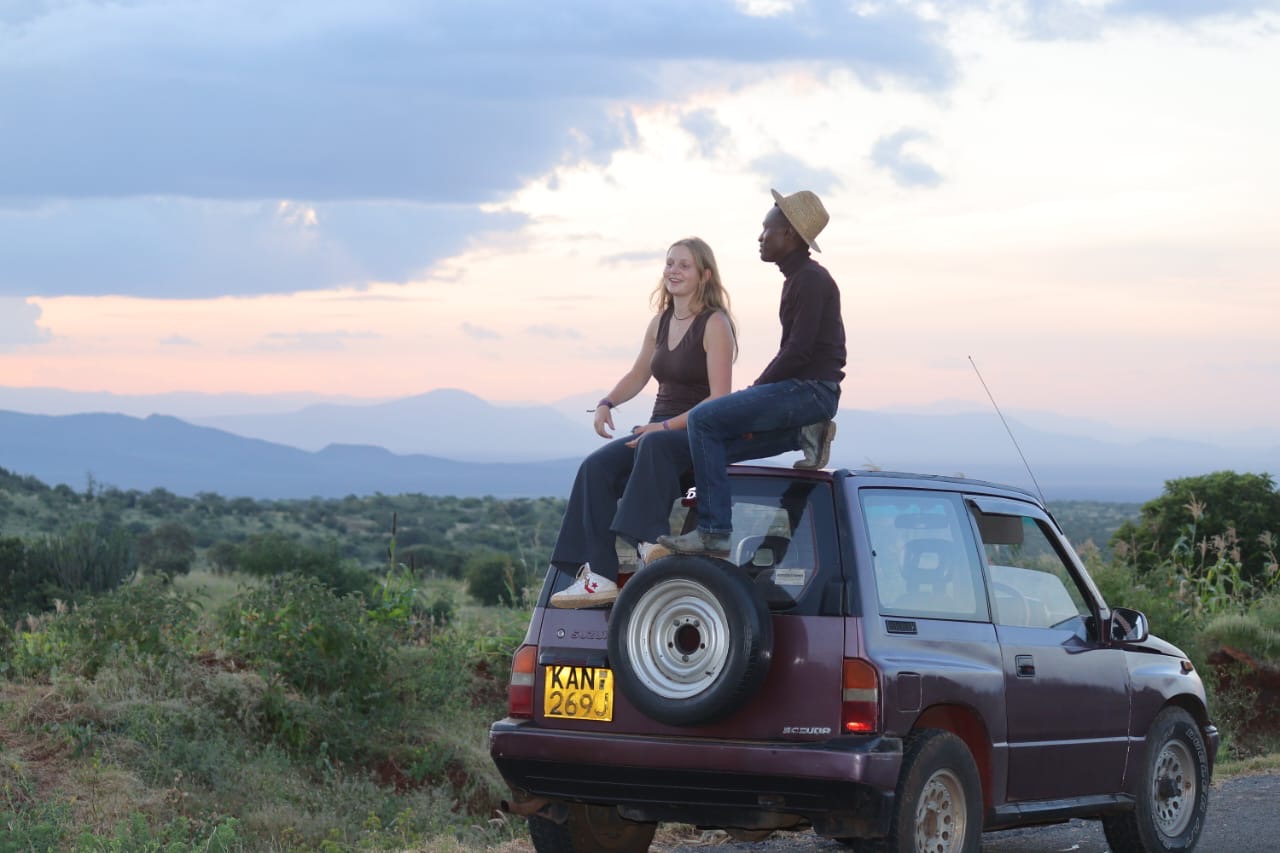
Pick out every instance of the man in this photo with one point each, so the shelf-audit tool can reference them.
(791, 404)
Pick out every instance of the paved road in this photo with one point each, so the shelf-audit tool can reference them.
(1243, 818)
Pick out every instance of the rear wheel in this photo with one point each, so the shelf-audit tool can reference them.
(690, 640)
(1174, 797)
(938, 807)
(590, 829)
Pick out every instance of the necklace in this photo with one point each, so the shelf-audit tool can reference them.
(678, 317)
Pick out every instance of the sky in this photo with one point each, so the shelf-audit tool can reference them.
(380, 198)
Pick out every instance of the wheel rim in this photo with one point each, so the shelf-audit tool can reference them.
(678, 639)
(1173, 788)
(941, 815)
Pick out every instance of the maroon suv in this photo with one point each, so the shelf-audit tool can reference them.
(897, 661)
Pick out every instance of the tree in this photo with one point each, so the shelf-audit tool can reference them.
(494, 578)
(168, 549)
(224, 557)
(1207, 506)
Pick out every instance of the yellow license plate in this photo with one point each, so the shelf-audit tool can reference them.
(578, 693)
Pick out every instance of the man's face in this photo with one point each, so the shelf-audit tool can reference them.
(777, 239)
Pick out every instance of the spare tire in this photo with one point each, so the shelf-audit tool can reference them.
(690, 640)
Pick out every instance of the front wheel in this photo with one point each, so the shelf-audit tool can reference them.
(938, 807)
(590, 829)
(1174, 795)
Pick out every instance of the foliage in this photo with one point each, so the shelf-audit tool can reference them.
(85, 559)
(436, 534)
(168, 549)
(494, 579)
(223, 557)
(310, 637)
(147, 620)
(1093, 522)
(1223, 504)
(271, 554)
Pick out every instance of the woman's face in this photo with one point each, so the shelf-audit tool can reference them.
(682, 272)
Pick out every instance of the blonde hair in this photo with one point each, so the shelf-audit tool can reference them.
(709, 295)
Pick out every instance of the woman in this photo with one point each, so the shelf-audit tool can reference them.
(625, 488)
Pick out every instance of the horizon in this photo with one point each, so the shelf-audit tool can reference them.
(207, 409)
(371, 203)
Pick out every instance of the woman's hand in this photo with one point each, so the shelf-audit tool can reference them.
(604, 416)
(641, 431)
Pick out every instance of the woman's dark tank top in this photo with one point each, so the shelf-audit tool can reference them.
(681, 372)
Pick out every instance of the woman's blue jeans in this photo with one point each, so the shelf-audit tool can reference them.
(754, 423)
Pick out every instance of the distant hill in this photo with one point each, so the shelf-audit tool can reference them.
(160, 451)
(447, 423)
(451, 442)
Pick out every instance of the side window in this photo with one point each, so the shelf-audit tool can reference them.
(1031, 586)
(926, 564)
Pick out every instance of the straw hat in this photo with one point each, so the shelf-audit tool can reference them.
(806, 214)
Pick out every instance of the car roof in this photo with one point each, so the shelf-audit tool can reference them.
(892, 478)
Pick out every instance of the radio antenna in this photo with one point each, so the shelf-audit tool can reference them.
(1006, 429)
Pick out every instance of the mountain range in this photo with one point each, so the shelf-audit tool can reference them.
(453, 442)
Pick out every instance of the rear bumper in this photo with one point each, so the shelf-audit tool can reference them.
(844, 786)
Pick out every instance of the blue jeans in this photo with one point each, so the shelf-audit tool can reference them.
(754, 423)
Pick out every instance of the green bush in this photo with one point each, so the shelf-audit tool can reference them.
(1222, 504)
(85, 560)
(495, 579)
(269, 554)
(310, 637)
(168, 549)
(143, 620)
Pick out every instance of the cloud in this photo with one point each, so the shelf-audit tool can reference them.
(326, 99)
(1072, 19)
(19, 324)
(158, 137)
(1190, 10)
(890, 154)
(480, 333)
(334, 341)
(559, 333)
(787, 174)
(190, 248)
(639, 256)
(709, 132)
(178, 341)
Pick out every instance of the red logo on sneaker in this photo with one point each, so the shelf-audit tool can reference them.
(590, 585)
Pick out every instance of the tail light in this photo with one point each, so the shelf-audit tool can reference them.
(860, 709)
(520, 690)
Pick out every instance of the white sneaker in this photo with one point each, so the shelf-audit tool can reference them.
(589, 590)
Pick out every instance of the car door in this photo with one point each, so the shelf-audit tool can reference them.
(1066, 693)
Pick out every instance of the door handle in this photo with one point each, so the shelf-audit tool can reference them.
(1025, 666)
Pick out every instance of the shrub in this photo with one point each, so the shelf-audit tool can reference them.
(1212, 505)
(310, 637)
(147, 619)
(167, 550)
(495, 579)
(86, 560)
(270, 554)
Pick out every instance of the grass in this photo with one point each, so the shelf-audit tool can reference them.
(193, 742)
(191, 746)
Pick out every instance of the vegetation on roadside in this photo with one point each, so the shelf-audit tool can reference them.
(320, 675)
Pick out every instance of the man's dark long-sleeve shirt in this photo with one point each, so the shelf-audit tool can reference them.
(812, 327)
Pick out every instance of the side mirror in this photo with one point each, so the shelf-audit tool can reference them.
(1128, 625)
